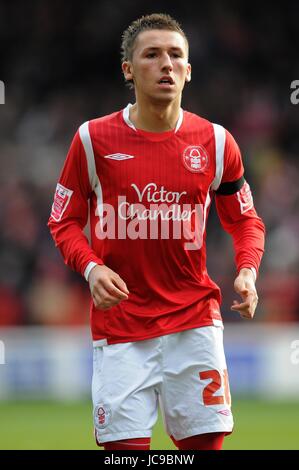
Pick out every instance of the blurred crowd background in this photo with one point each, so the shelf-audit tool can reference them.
(60, 62)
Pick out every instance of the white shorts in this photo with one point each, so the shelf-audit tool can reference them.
(185, 372)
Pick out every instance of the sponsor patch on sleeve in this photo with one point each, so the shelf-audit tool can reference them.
(61, 200)
(245, 198)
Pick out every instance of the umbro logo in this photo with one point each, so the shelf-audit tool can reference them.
(224, 412)
(119, 156)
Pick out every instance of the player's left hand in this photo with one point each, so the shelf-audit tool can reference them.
(245, 286)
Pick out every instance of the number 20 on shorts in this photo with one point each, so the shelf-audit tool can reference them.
(216, 381)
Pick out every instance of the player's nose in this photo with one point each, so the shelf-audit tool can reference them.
(166, 63)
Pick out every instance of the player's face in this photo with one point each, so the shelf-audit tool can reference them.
(159, 66)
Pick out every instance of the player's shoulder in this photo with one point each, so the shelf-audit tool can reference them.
(194, 121)
(108, 120)
(103, 124)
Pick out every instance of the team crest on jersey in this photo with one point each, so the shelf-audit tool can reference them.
(195, 158)
(61, 199)
(101, 416)
(245, 198)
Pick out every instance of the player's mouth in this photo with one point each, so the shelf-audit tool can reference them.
(166, 82)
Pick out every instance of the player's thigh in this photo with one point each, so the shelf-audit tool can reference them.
(123, 390)
(195, 395)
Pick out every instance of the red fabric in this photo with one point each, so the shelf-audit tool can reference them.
(246, 229)
(68, 231)
(233, 166)
(210, 441)
(242, 223)
(170, 289)
(142, 443)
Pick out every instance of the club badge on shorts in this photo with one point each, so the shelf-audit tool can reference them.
(101, 416)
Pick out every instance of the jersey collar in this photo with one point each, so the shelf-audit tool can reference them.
(126, 117)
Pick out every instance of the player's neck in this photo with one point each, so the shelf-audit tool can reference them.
(155, 117)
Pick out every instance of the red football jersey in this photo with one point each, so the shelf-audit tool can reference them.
(148, 196)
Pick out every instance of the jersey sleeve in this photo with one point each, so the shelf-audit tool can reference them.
(233, 169)
(236, 209)
(69, 213)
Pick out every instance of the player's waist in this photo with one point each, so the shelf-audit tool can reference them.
(128, 322)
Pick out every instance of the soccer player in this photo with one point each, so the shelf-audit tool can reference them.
(147, 175)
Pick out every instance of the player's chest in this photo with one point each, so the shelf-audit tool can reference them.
(164, 171)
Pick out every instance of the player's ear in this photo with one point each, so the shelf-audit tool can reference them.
(127, 69)
(188, 74)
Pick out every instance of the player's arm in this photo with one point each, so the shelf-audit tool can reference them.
(238, 217)
(68, 218)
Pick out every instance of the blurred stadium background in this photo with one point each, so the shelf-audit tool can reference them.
(60, 65)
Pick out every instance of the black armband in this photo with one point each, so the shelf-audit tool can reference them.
(232, 187)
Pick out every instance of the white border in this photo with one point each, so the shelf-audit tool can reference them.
(219, 133)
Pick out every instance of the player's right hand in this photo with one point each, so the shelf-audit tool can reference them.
(106, 287)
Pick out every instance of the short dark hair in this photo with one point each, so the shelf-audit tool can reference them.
(145, 23)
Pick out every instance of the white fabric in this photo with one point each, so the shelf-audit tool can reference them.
(126, 117)
(129, 379)
(91, 166)
(180, 120)
(219, 133)
(87, 144)
(99, 342)
(88, 268)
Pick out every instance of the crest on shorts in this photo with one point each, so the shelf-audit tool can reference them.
(101, 416)
(61, 199)
(195, 158)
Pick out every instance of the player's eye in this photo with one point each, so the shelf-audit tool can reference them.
(151, 55)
